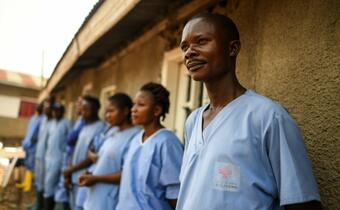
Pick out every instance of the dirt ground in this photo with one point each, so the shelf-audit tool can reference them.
(12, 198)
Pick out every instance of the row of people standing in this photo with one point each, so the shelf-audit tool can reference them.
(242, 150)
(129, 162)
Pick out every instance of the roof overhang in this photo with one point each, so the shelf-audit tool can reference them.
(105, 32)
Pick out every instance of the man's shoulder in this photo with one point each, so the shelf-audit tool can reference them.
(194, 115)
(263, 105)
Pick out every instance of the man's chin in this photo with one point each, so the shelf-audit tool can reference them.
(197, 78)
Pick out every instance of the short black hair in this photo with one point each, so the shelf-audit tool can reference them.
(93, 101)
(121, 100)
(160, 95)
(58, 106)
(223, 21)
(39, 108)
(50, 99)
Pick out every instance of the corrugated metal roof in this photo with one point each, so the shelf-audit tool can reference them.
(21, 80)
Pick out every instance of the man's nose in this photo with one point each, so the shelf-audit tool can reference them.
(190, 52)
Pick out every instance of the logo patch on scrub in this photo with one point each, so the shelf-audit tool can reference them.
(226, 177)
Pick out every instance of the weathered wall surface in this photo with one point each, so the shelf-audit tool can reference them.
(18, 91)
(141, 66)
(12, 128)
(128, 73)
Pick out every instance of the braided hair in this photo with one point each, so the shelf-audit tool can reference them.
(160, 96)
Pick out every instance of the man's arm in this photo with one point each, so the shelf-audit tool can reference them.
(311, 205)
(83, 164)
(88, 179)
(173, 203)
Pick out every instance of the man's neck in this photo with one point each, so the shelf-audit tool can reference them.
(92, 120)
(221, 92)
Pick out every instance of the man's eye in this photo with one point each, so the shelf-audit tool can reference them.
(184, 47)
(202, 41)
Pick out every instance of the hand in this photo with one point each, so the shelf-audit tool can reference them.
(92, 156)
(86, 180)
(67, 183)
(67, 174)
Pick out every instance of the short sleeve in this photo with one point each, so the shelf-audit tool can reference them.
(171, 154)
(289, 161)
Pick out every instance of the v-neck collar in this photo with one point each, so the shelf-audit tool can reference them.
(220, 116)
(150, 137)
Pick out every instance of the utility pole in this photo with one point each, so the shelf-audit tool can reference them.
(42, 69)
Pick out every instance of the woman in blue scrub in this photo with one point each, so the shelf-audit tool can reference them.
(150, 178)
(104, 181)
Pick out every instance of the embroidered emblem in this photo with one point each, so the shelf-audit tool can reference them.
(226, 177)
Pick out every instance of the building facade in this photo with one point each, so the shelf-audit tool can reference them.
(290, 53)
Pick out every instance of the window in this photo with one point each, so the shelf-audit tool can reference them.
(27, 108)
(104, 94)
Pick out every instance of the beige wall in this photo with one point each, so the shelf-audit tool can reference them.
(12, 129)
(18, 91)
(290, 52)
(128, 73)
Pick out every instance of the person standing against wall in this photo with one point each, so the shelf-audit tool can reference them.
(61, 196)
(39, 170)
(55, 147)
(103, 182)
(93, 126)
(29, 145)
(243, 151)
(150, 178)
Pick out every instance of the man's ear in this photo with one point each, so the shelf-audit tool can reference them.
(234, 48)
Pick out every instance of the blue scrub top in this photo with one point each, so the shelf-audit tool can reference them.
(99, 140)
(73, 136)
(104, 196)
(39, 169)
(151, 172)
(55, 146)
(61, 194)
(250, 156)
(86, 135)
(30, 141)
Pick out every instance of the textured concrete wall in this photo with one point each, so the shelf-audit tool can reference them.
(141, 65)
(18, 91)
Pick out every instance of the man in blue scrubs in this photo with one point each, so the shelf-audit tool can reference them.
(55, 147)
(29, 144)
(243, 151)
(39, 170)
(93, 126)
(61, 196)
